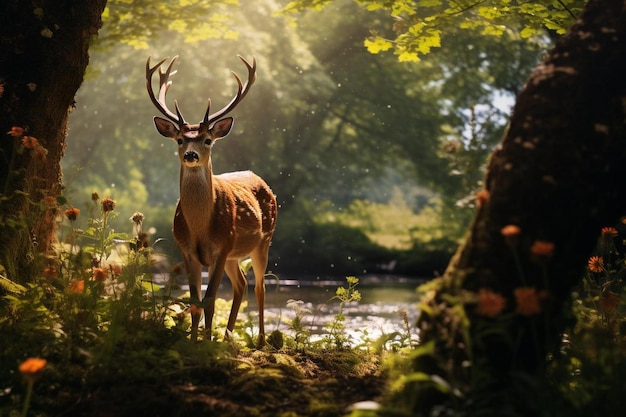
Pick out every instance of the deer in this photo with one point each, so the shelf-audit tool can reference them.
(219, 219)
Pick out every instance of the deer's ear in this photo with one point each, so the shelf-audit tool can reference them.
(221, 128)
(166, 128)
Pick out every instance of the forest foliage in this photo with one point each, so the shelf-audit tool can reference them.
(328, 125)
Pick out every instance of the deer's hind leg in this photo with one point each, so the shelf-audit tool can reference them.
(259, 264)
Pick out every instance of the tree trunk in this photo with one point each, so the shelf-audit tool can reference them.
(43, 56)
(557, 178)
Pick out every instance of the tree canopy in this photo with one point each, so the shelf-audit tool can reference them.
(419, 26)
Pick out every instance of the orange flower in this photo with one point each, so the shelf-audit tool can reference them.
(77, 286)
(511, 233)
(595, 264)
(108, 204)
(16, 132)
(72, 213)
(542, 248)
(490, 304)
(32, 366)
(528, 300)
(609, 232)
(195, 310)
(99, 274)
(481, 197)
(49, 201)
(50, 272)
(116, 270)
(30, 142)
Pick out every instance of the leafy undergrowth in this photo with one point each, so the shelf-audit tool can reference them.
(94, 335)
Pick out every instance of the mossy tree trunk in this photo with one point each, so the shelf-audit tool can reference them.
(43, 56)
(557, 178)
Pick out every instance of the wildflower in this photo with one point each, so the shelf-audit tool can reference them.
(481, 198)
(72, 213)
(40, 152)
(195, 310)
(99, 274)
(49, 201)
(142, 240)
(95, 197)
(608, 303)
(50, 272)
(116, 270)
(595, 264)
(542, 248)
(107, 204)
(528, 300)
(609, 232)
(137, 218)
(490, 304)
(30, 142)
(16, 132)
(32, 367)
(77, 286)
(511, 233)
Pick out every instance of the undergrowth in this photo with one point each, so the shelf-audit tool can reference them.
(94, 333)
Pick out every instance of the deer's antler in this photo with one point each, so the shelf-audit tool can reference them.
(242, 90)
(164, 85)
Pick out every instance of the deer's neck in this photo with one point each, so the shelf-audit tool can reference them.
(197, 195)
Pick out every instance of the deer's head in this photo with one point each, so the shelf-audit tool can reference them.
(194, 140)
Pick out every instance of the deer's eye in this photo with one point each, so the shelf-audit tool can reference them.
(208, 142)
(180, 141)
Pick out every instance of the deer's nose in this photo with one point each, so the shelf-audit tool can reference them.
(191, 156)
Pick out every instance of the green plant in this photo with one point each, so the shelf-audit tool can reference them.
(337, 337)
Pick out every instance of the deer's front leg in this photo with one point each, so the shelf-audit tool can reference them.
(238, 280)
(194, 278)
(216, 271)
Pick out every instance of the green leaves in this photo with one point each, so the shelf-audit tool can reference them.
(136, 22)
(420, 25)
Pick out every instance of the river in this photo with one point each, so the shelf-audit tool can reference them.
(385, 302)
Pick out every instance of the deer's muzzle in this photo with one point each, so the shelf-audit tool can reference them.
(191, 156)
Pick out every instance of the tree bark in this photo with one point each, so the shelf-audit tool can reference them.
(558, 177)
(43, 56)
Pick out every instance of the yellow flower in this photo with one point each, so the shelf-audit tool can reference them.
(595, 264)
(490, 304)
